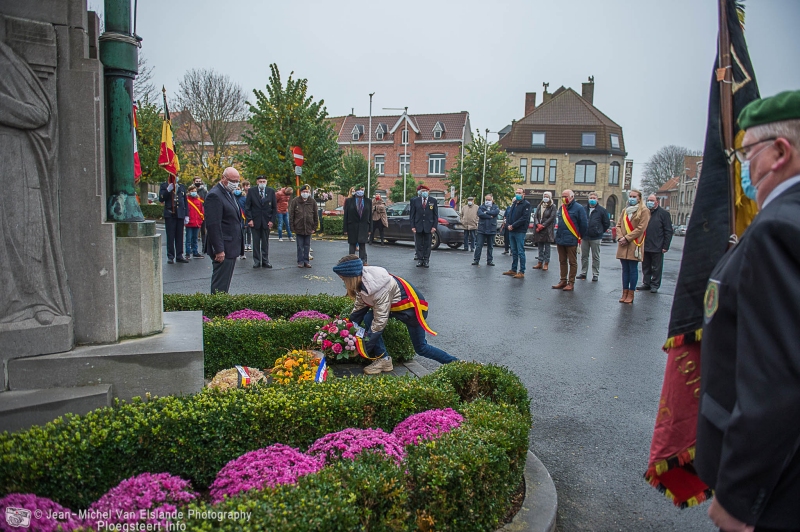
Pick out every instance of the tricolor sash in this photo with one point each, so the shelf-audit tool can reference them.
(629, 229)
(412, 300)
(569, 223)
(202, 216)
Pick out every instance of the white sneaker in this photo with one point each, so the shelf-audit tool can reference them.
(243, 257)
(380, 365)
(280, 240)
(291, 239)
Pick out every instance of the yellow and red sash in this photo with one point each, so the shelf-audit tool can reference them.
(629, 229)
(569, 223)
(412, 300)
(202, 216)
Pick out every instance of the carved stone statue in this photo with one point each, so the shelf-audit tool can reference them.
(32, 276)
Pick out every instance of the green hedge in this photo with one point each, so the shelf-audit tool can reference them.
(153, 211)
(462, 481)
(259, 343)
(333, 225)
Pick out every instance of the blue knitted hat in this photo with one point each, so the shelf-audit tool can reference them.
(350, 268)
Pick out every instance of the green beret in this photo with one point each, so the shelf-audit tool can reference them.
(783, 106)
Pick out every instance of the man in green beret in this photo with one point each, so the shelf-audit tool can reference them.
(748, 430)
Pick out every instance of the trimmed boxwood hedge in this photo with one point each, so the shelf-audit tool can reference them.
(333, 225)
(153, 211)
(259, 344)
(461, 481)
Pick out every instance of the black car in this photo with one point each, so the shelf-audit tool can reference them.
(499, 238)
(450, 231)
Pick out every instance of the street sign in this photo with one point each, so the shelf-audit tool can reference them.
(298, 170)
(298, 156)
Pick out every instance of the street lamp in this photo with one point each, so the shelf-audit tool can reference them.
(461, 174)
(369, 145)
(405, 144)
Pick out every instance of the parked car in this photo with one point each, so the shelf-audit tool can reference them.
(610, 235)
(499, 238)
(450, 230)
(680, 231)
(339, 211)
(152, 198)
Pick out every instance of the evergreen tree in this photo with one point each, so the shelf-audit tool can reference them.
(353, 172)
(501, 177)
(283, 117)
(396, 192)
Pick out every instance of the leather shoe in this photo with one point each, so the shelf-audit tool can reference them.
(519, 275)
(170, 261)
(427, 264)
(581, 277)
(490, 263)
(537, 267)
(256, 265)
(653, 290)
(545, 266)
(420, 264)
(642, 288)
(181, 260)
(475, 263)
(510, 272)
(266, 265)
(568, 288)
(306, 265)
(594, 278)
(560, 286)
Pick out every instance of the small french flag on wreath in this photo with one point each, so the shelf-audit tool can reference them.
(322, 371)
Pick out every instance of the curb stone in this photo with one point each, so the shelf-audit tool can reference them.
(538, 511)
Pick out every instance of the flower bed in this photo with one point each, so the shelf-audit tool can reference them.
(258, 343)
(460, 481)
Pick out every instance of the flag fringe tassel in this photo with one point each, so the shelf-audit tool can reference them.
(662, 466)
(683, 339)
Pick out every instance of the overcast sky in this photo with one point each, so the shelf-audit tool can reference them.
(651, 60)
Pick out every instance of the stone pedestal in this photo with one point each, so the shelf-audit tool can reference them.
(139, 278)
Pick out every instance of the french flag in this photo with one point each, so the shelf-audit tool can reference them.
(322, 371)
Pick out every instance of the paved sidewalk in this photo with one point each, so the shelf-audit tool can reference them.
(412, 368)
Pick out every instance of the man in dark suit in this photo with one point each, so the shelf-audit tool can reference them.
(176, 215)
(357, 223)
(260, 208)
(223, 222)
(748, 435)
(659, 237)
(424, 221)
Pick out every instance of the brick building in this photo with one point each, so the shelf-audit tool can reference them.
(668, 197)
(566, 142)
(423, 146)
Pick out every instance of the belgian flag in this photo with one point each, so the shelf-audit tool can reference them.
(720, 214)
(167, 158)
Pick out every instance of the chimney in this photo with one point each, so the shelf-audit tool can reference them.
(546, 96)
(588, 90)
(530, 102)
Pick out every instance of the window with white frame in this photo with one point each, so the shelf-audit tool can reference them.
(523, 169)
(405, 164)
(436, 164)
(614, 142)
(588, 140)
(405, 137)
(438, 129)
(380, 161)
(586, 172)
(537, 138)
(613, 174)
(357, 131)
(379, 134)
(553, 163)
(537, 170)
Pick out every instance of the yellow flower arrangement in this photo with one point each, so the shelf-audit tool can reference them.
(296, 365)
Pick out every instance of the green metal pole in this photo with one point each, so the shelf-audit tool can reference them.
(119, 55)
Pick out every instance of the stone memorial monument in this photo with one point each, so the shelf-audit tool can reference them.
(81, 303)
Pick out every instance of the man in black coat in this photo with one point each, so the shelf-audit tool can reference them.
(657, 240)
(261, 211)
(223, 222)
(599, 222)
(357, 223)
(176, 215)
(748, 434)
(424, 213)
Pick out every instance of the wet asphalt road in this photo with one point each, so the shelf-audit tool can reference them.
(593, 367)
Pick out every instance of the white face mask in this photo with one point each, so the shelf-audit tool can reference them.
(305, 195)
(469, 203)
(488, 202)
(546, 199)
(262, 186)
(231, 186)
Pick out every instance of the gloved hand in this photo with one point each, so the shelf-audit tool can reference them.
(170, 187)
(186, 221)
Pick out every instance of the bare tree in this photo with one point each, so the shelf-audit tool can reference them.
(665, 164)
(210, 105)
(143, 87)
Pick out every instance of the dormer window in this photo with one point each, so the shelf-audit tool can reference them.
(358, 130)
(438, 130)
(380, 131)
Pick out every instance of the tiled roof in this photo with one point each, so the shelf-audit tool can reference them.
(453, 124)
(563, 118)
(690, 164)
(670, 185)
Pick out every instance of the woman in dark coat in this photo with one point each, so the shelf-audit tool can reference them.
(543, 221)
(357, 224)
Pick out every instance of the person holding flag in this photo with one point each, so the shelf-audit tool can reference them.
(631, 228)
(572, 225)
(171, 193)
(378, 296)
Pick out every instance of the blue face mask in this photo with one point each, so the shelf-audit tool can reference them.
(359, 193)
(518, 196)
(237, 192)
(650, 204)
(633, 201)
(424, 194)
(592, 202)
(747, 186)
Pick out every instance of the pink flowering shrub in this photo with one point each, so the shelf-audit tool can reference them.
(273, 465)
(309, 314)
(50, 514)
(146, 498)
(349, 443)
(247, 314)
(426, 425)
(206, 319)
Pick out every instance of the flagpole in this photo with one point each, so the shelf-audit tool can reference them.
(172, 178)
(369, 142)
(725, 79)
(461, 174)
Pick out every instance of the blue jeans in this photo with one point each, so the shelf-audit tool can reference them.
(303, 248)
(469, 239)
(544, 252)
(283, 218)
(421, 345)
(191, 240)
(489, 239)
(517, 250)
(630, 274)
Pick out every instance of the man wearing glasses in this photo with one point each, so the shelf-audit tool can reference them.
(748, 435)
(223, 223)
